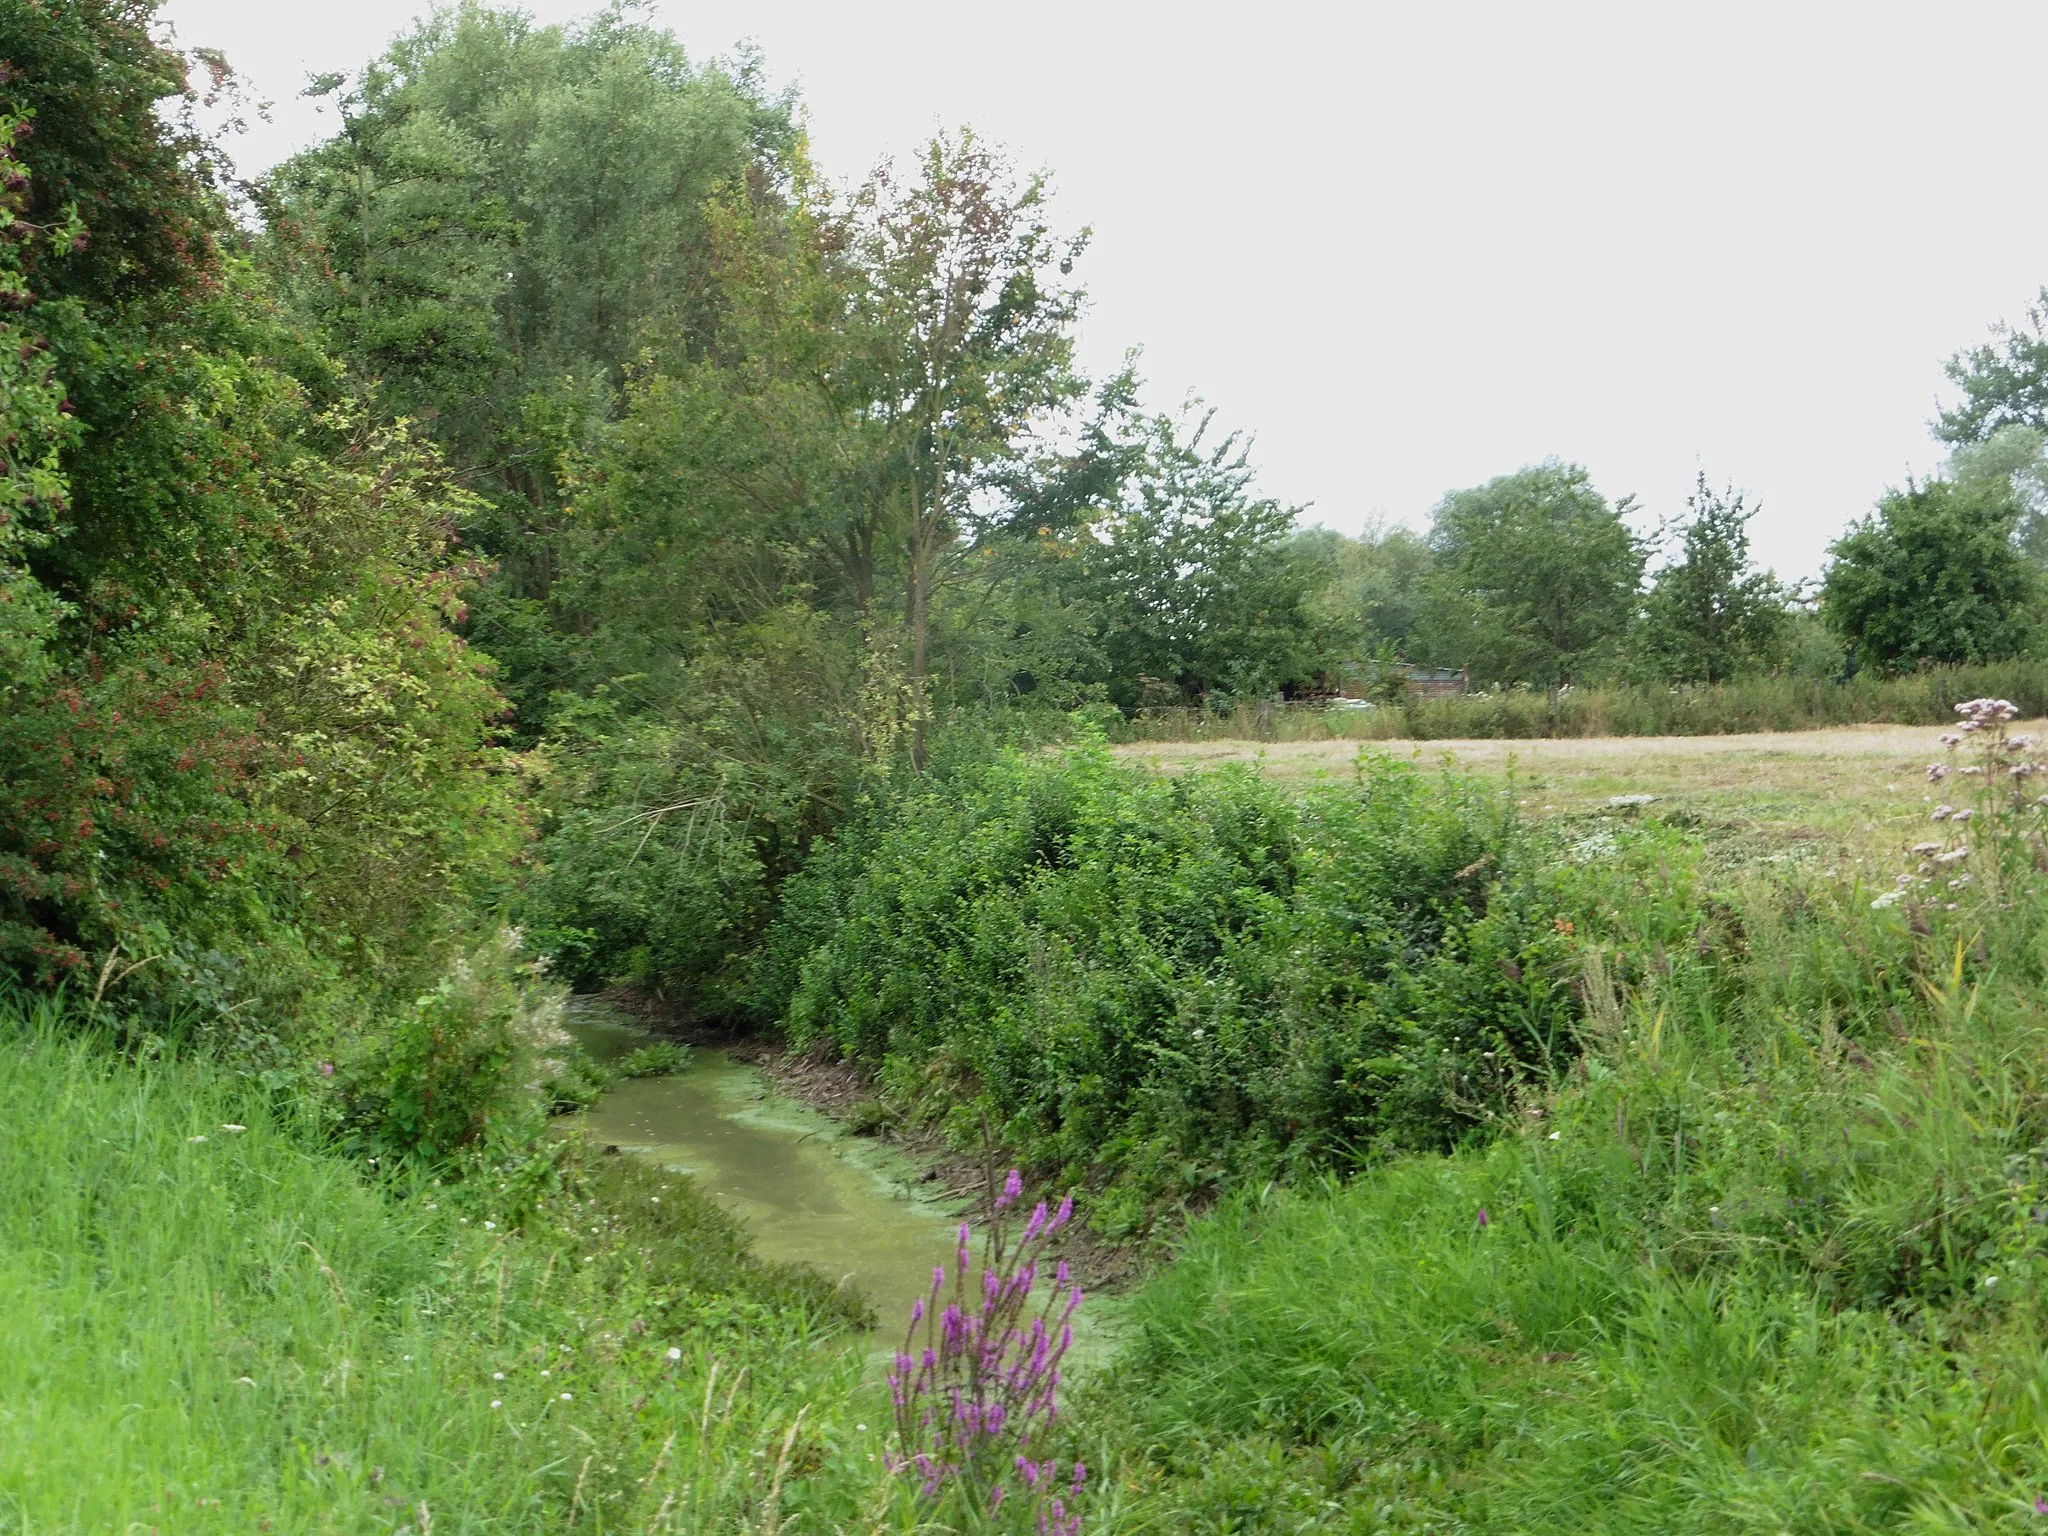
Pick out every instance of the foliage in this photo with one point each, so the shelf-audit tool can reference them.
(2004, 381)
(1709, 616)
(1535, 577)
(243, 726)
(1190, 586)
(1370, 588)
(2014, 460)
(230, 1328)
(661, 1058)
(504, 210)
(651, 867)
(1777, 703)
(1933, 577)
(1162, 981)
(1768, 1256)
(458, 1066)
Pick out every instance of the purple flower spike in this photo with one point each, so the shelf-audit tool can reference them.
(970, 1409)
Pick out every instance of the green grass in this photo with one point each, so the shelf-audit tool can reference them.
(1774, 1259)
(209, 1329)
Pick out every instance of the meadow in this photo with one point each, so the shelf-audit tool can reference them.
(1767, 1257)
(1756, 1243)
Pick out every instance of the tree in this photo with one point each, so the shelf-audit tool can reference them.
(234, 721)
(1368, 590)
(2004, 381)
(1188, 576)
(1933, 576)
(505, 212)
(1536, 575)
(1709, 615)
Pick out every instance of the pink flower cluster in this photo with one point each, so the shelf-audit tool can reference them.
(986, 1379)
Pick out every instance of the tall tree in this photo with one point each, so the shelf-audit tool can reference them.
(504, 212)
(1933, 576)
(1709, 614)
(1188, 576)
(236, 721)
(1368, 589)
(1536, 576)
(2004, 380)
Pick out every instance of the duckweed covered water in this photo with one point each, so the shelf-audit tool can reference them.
(807, 1190)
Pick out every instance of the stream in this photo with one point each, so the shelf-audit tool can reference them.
(806, 1189)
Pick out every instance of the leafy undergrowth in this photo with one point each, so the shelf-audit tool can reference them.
(1163, 984)
(1772, 1258)
(212, 1327)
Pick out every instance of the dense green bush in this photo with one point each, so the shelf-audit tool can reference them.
(1171, 979)
(650, 869)
(1769, 1259)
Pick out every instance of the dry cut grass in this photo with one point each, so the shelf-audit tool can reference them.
(1780, 795)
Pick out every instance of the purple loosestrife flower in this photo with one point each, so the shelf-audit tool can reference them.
(987, 1384)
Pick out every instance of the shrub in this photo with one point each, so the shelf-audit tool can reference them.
(469, 1058)
(659, 1059)
(1168, 980)
(643, 875)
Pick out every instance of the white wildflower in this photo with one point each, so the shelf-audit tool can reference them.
(1888, 899)
(674, 1353)
(1954, 856)
(234, 1130)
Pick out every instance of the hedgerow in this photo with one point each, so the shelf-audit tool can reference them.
(1164, 982)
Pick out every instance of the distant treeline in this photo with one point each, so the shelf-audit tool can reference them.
(1756, 703)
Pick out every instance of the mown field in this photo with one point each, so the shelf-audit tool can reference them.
(1845, 788)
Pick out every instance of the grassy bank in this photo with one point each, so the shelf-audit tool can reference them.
(1750, 704)
(212, 1326)
(1771, 1257)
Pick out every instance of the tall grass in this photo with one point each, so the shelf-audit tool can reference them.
(1750, 704)
(209, 1328)
(1772, 1257)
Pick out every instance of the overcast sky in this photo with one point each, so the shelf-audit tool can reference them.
(1414, 246)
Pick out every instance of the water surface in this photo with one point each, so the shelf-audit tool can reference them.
(806, 1189)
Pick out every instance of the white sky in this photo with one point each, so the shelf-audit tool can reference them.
(1414, 246)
